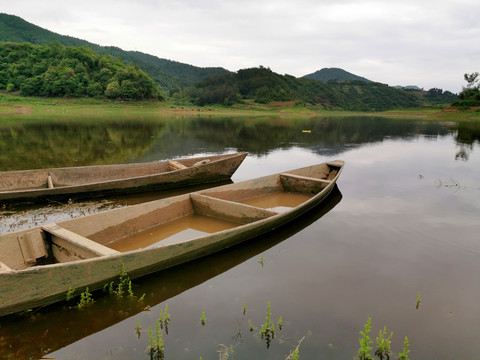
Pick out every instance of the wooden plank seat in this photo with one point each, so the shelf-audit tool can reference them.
(49, 182)
(229, 210)
(69, 246)
(175, 165)
(302, 184)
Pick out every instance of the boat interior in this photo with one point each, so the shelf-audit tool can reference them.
(163, 222)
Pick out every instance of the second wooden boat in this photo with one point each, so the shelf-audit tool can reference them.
(56, 183)
(38, 266)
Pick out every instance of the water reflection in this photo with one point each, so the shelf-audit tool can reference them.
(51, 328)
(408, 223)
(75, 143)
(468, 134)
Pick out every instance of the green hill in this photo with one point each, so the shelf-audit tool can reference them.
(67, 66)
(264, 86)
(334, 75)
(55, 70)
(170, 75)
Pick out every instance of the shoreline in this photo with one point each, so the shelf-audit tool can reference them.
(20, 106)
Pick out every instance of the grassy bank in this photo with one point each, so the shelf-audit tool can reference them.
(12, 104)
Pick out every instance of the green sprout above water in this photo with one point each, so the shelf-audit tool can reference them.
(85, 299)
(383, 348)
(164, 319)
(261, 261)
(295, 354)
(203, 319)
(383, 344)
(138, 329)
(70, 294)
(404, 354)
(267, 330)
(156, 347)
(365, 342)
(280, 323)
(123, 285)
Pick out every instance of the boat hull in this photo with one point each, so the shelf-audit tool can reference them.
(104, 180)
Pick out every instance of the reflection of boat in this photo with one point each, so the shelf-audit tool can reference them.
(90, 251)
(39, 185)
(26, 337)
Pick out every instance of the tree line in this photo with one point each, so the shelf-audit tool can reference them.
(55, 70)
(263, 86)
(470, 94)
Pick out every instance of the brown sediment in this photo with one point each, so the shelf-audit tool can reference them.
(17, 110)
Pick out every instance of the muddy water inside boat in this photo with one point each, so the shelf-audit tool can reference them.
(278, 201)
(178, 230)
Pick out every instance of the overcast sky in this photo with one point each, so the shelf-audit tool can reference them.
(428, 43)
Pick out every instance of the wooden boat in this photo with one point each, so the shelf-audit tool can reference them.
(172, 282)
(39, 265)
(42, 184)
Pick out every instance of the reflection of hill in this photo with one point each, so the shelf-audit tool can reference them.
(56, 326)
(327, 136)
(102, 141)
(60, 144)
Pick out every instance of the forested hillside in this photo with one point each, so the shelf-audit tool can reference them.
(263, 86)
(66, 66)
(56, 70)
(170, 75)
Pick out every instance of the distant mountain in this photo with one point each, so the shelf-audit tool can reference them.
(334, 74)
(170, 75)
(408, 87)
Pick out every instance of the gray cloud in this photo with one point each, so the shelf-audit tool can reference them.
(427, 43)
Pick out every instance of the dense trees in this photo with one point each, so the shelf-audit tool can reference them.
(263, 86)
(470, 94)
(56, 70)
(438, 96)
(169, 75)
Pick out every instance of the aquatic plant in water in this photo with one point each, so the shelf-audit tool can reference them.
(383, 344)
(156, 347)
(365, 342)
(203, 319)
(138, 329)
(164, 319)
(267, 331)
(404, 354)
(85, 299)
(295, 354)
(70, 294)
(123, 285)
(383, 348)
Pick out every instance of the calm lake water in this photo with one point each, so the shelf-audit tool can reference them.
(403, 221)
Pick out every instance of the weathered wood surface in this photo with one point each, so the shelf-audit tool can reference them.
(42, 184)
(24, 286)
